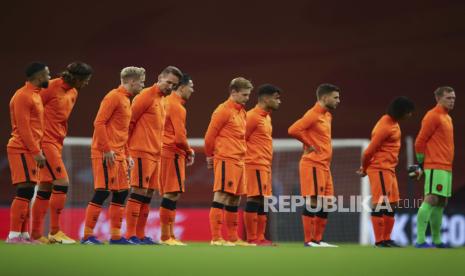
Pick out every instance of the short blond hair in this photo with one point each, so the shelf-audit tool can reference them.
(132, 72)
(240, 83)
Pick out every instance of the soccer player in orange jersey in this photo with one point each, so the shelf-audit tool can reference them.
(176, 155)
(258, 160)
(110, 156)
(379, 162)
(145, 145)
(316, 182)
(434, 149)
(225, 149)
(25, 156)
(58, 100)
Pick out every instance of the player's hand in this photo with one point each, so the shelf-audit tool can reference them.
(415, 172)
(109, 158)
(361, 172)
(130, 162)
(309, 149)
(210, 163)
(190, 158)
(40, 159)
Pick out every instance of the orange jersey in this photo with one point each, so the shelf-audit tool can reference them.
(175, 134)
(258, 137)
(314, 129)
(111, 124)
(27, 120)
(147, 123)
(58, 100)
(225, 136)
(436, 139)
(383, 150)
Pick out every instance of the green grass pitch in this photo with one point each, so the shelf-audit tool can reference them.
(202, 259)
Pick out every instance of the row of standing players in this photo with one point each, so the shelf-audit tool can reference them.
(148, 137)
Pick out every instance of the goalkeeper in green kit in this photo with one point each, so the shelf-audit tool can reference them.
(434, 147)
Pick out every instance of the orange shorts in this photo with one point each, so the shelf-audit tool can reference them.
(229, 177)
(315, 181)
(23, 168)
(112, 178)
(173, 174)
(258, 182)
(145, 174)
(54, 168)
(383, 184)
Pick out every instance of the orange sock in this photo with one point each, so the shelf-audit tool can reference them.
(39, 210)
(231, 217)
(172, 222)
(251, 221)
(92, 213)
(388, 225)
(133, 207)
(261, 226)
(116, 212)
(320, 225)
(165, 223)
(143, 216)
(378, 227)
(25, 225)
(216, 220)
(57, 203)
(308, 223)
(18, 213)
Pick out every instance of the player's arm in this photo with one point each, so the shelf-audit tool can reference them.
(178, 119)
(428, 125)
(139, 105)
(298, 129)
(107, 107)
(218, 121)
(379, 136)
(46, 95)
(22, 113)
(250, 126)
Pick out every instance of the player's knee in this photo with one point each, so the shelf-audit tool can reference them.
(168, 204)
(60, 189)
(119, 197)
(232, 209)
(321, 214)
(44, 195)
(217, 205)
(252, 206)
(137, 197)
(47, 187)
(100, 196)
(376, 213)
(25, 192)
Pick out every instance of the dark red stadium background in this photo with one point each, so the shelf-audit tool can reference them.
(373, 51)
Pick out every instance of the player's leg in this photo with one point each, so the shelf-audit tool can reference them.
(120, 190)
(101, 174)
(377, 194)
(171, 186)
(389, 213)
(433, 189)
(153, 174)
(24, 177)
(39, 209)
(220, 199)
(262, 217)
(254, 200)
(308, 182)
(442, 187)
(140, 177)
(326, 195)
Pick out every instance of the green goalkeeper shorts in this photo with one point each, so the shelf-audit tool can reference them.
(438, 182)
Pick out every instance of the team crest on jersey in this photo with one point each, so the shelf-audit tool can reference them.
(58, 169)
(147, 179)
(33, 171)
(230, 183)
(112, 180)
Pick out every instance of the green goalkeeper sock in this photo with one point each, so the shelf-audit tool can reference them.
(423, 217)
(435, 223)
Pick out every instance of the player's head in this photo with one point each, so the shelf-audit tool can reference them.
(77, 74)
(133, 78)
(168, 79)
(38, 74)
(269, 96)
(240, 89)
(328, 95)
(401, 108)
(445, 96)
(185, 87)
